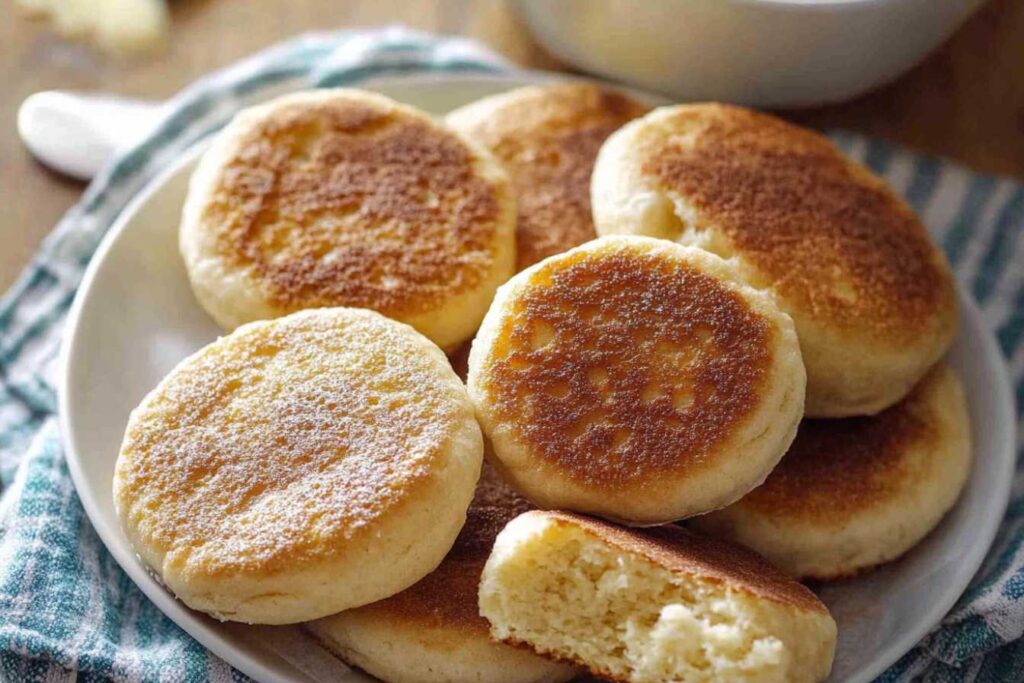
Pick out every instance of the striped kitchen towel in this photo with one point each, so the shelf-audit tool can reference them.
(66, 608)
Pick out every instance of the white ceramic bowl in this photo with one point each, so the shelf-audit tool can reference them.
(770, 53)
(135, 317)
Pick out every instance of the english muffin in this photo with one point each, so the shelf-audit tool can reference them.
(433, 631)
(857, 492)
(652, 605)
(299, 467)
(872, 297)
(547, 138)
(635, 379)
(347, 198)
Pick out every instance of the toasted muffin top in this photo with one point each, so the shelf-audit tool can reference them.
(343, 198)
(623, 358)
(547, 137)
(274, 446)
(836, 468)
(828, 236)
(680, 551)
(447, 597)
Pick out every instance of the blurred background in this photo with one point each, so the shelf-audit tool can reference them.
(964, 101)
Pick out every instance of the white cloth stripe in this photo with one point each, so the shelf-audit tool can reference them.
(982, 236)
(950, 192)
(900, 172)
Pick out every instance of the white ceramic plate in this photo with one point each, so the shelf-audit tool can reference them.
(135, 317)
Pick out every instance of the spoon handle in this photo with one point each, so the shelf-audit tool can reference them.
(76, 134)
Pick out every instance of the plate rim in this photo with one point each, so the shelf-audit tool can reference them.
(218, 643)
(1006, 448)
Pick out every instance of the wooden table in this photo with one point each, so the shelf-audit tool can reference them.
(966, 101)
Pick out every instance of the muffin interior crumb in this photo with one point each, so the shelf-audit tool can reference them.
(569, 596)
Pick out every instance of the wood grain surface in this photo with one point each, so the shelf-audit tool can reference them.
(966, 101)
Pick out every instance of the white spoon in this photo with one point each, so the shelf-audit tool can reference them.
(78, 134)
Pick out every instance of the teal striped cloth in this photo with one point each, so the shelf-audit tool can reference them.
(66, 608)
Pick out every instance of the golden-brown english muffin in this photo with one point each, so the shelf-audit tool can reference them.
(651, 605)
(635, 379)
(347, 198)
(300, 466)
(857, 492)
(433, 631)
(547, 138)
(872, 297)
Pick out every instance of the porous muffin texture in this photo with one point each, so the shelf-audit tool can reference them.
(635, 379)
(347, 198)
(298, 467)
(872, 297)
(652, 605)
(851, 494)
(547, 137)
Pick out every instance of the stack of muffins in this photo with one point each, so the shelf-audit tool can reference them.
(695, 313)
